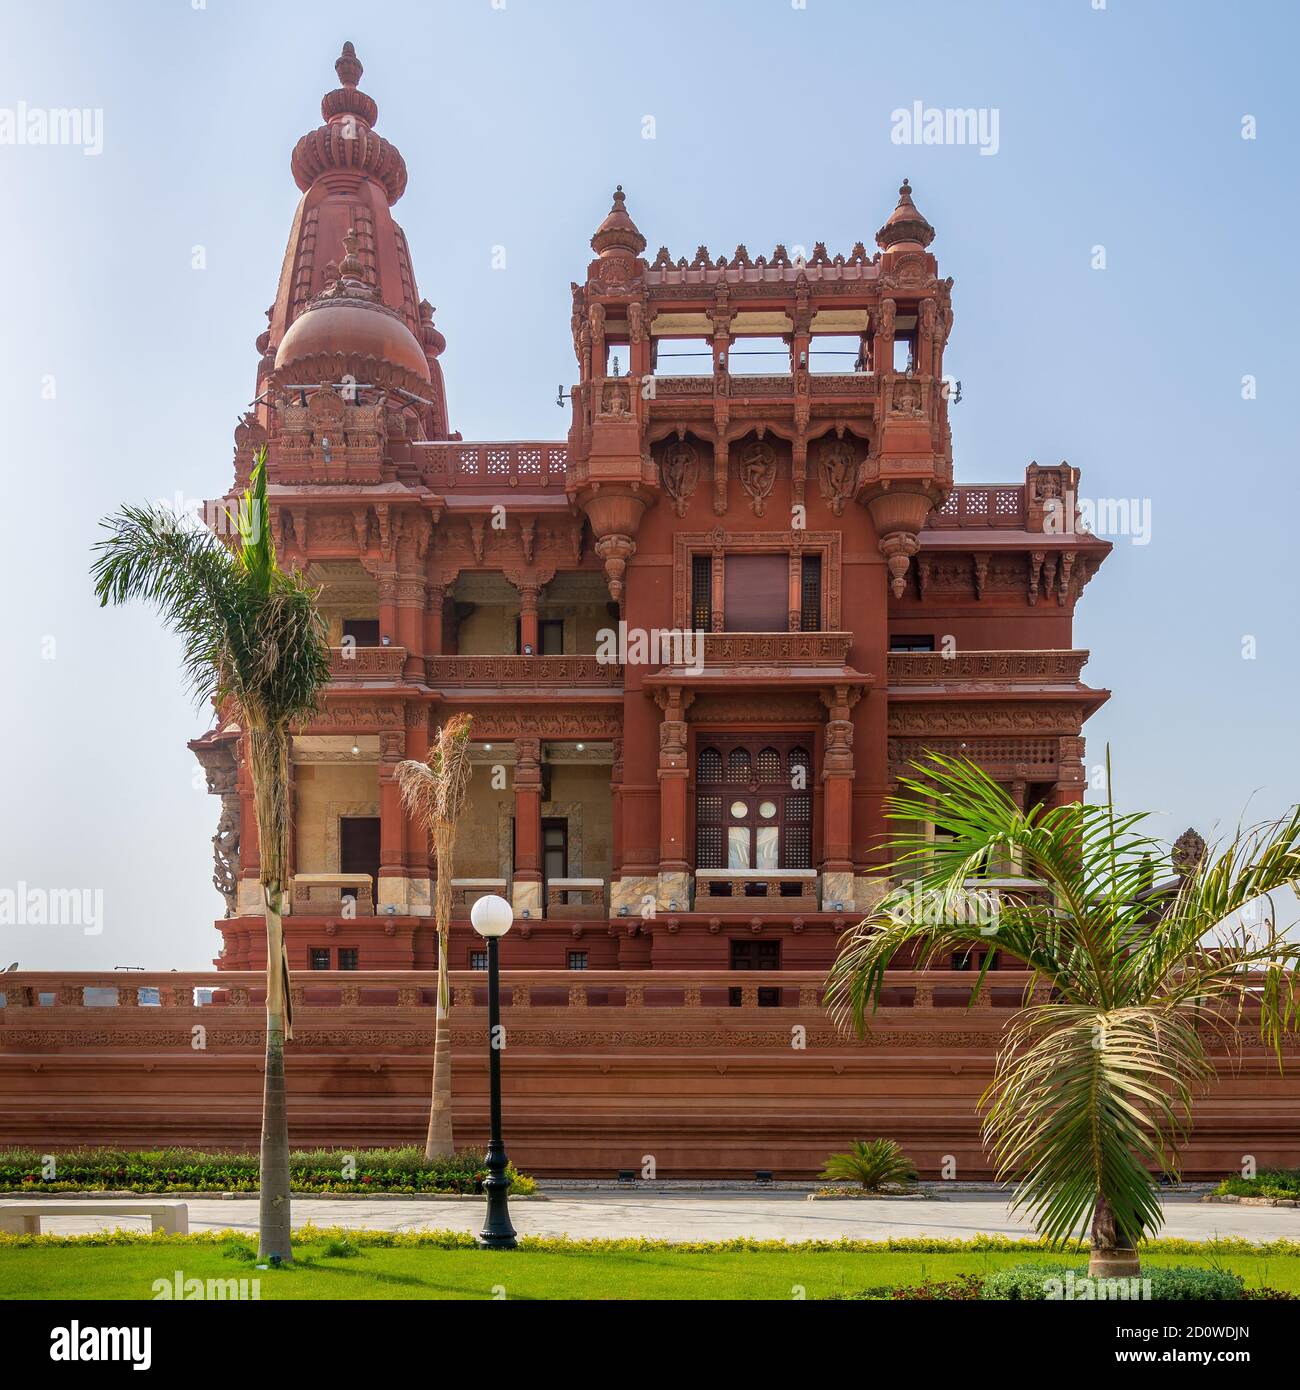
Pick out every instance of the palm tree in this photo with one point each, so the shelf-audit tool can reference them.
(1093, 1086)
(254, 642)
(872, 1163)
(434, 793)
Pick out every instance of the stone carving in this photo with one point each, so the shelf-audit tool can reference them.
(225, 852)
(1188, 853)
(679, 473)
(837, 466)
(757, 467)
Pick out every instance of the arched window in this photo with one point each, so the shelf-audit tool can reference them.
(764, 819)
(740, 767)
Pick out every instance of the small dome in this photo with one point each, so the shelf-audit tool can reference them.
(348, 329)
(905, 223)
(618, 233)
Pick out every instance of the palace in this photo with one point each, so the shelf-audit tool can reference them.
(700, 637)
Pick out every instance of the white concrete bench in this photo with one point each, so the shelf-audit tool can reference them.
(24, 1218)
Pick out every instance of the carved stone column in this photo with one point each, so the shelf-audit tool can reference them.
(419, 893)
(528, 596)
(410, 601)
(387, 586)
(674, 773)
(837, 797)
(526, 886)
(393, 884)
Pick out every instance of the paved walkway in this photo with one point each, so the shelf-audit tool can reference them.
(703, 1216)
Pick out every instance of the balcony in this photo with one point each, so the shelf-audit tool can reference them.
(494, 467)
(326, 894)
(522, 673)
(777, 648)
(367, 663)
(777, 890)
(1028, 667)
(982, 508)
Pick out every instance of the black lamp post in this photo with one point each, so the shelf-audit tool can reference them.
(492, 917)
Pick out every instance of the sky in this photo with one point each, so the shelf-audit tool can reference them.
(1125, 292)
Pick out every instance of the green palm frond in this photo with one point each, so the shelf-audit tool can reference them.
(1092, 1092)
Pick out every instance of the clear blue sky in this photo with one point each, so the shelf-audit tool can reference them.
(1119, 127)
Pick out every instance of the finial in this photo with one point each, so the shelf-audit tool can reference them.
(905, 223)
(348, 66)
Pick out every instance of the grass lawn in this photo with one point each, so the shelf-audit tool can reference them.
(70, 1269)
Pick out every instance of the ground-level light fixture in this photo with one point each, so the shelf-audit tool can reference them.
(492, 916)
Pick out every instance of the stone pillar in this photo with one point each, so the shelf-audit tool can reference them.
(528, 596)
(419, 893)
(410, 624)
(435, 598)
(837, 797)
(674, 773)
(387, 585)
(392, 831)
(526, 886)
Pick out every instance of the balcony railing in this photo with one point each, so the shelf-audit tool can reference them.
(733, 890)
(521, 671)
(927, 668)
(366, 663)
(324, 894)
(769, 648)
(503, 465)
(982, 507)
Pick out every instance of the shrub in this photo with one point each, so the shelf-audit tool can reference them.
(315, 1170)
(1281, 1183)
(1042, 1282)
(872, 1163)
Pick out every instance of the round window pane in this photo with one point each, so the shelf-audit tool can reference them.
(738, 809)
(767, 809)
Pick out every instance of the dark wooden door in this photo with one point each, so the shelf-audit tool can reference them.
(359, 848)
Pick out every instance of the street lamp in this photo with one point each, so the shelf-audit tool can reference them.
(492, 916)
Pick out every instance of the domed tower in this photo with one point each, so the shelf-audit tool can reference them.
(347, 307)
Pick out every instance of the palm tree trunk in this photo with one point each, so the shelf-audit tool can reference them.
(270, 763)
(1112, 1255)
(439, 1142)
(274, 1232)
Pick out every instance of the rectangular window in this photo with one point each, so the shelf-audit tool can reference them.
(810, 593)
(918, 642)
(320, 957)
(756, 955)
(478, 960)
(577, 960)
(738, 847)
(550, 636)
(702, 593)
(347, 958)
(757, 593)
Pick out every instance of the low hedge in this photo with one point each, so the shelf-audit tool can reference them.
(1177, 1283)
(1283, 1183)
(404, 1170)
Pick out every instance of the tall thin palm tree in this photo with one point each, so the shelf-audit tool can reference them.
(254, 641)
(1093, 1086)
(434, 793)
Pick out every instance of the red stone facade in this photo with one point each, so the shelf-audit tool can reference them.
(700, 638)
(818, 601)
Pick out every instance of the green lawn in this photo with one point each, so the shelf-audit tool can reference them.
(56, 1269)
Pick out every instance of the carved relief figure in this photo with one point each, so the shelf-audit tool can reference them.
(679, 473)
(837, 467)
(757, 465)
